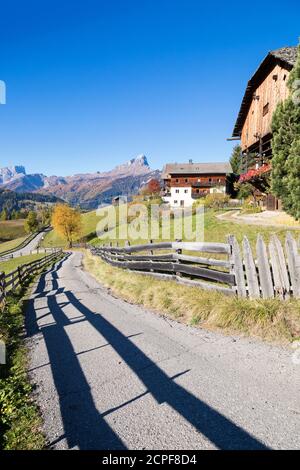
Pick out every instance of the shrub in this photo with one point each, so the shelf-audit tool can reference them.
(216, 200)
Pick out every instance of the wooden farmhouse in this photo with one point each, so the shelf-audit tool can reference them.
(186, 182)
(265, 89)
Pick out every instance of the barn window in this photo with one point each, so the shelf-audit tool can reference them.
(265, 109)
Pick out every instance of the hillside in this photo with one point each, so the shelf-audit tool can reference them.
(87, 190)
(12, 200)
(11, 230)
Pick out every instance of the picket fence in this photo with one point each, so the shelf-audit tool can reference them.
(273, 271)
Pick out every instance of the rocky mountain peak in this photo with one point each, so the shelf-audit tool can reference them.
(11, 172)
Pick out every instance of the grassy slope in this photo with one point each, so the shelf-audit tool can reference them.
(11, 244)
(12, 264)
(10, 230)
(215, 230)
(89, 223)
(269, 319)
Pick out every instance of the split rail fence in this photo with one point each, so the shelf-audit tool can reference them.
(16, 278)
(273, 272)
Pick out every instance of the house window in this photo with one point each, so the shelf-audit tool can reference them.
(186, 180)
(284, 77)
(265, 109)
(209, 179)
(175, 201)
(199, 180)
(197, 191)
(186, 191)
(177, 191)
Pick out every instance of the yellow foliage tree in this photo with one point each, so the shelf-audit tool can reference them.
(67, 223)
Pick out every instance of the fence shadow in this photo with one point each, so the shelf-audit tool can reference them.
(84, 426)
(217, 428)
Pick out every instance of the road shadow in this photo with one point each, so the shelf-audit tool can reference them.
(221, 431)
(84, 426)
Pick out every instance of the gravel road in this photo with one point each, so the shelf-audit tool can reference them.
(111, 375)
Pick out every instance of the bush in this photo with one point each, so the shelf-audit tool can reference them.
(216, 200)
(250, 208)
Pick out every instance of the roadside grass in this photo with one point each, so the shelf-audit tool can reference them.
(13, 263)
(270, 319)
(10, 230)
(11, 244)
(20, 422)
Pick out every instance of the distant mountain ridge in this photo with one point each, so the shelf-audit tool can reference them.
(87, 189)
(10, 200)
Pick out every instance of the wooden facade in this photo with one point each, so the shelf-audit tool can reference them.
(266, 96)
(266, 88)
(185, 182)
(200, 184)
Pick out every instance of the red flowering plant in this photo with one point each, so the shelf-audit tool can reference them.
(255, 174)
(254, 182)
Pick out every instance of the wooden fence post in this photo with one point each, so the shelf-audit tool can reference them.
(294, 263)
(2, 287)
(20, 274)
(251, 273)
(237, 269)
(265, 277)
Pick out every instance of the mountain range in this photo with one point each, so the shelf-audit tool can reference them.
(87, 190)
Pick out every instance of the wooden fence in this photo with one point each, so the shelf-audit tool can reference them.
(16, 278)
(273, 272)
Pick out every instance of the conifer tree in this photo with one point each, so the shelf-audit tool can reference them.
(285, 177)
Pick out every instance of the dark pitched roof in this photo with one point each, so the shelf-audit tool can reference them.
(196, 168)
(286, 56)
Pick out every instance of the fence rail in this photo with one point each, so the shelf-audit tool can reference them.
(16, 278)
(273, 272)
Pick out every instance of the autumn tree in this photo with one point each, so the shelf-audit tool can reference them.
(31, 223)
(67, 223)
(151, 188)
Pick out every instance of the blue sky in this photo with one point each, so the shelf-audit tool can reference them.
(94, 83)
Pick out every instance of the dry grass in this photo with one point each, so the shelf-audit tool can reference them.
(271, 320)
(11, 229)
